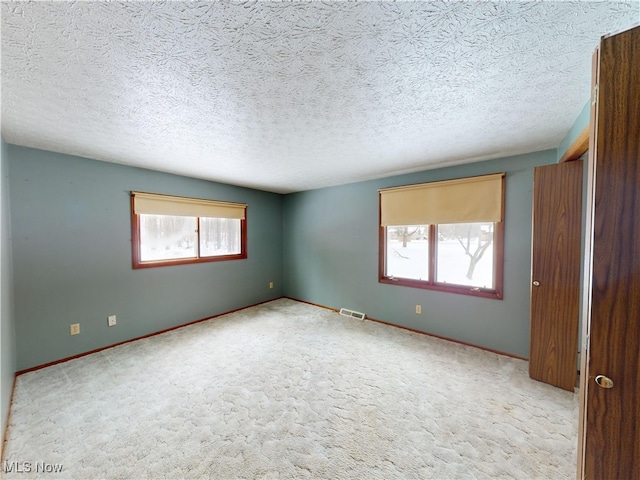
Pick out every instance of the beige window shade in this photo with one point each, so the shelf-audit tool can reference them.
(154, 204)
(466, 200)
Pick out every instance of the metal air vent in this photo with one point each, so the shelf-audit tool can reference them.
(351, 313)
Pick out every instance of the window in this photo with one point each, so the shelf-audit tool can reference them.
(445, 236)
(169, 230)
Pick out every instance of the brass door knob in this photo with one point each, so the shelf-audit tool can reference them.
(604, 382)
(536, 283)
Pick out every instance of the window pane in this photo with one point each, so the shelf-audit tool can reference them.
(164, 237)
(465, 254)
(219, 236)
(407, 252)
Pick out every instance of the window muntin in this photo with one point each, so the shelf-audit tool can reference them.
(169, 230)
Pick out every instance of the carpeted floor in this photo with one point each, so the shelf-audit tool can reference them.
(289, 390)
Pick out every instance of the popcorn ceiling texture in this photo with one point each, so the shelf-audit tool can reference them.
(288, 96)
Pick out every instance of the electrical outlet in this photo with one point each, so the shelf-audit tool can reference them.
(111, 320)
(419, 309)
(74, 329)
(270, 284)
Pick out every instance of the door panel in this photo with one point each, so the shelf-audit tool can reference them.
(555, 290)
(611, 416)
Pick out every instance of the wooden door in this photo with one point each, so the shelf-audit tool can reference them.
(610, 417)
(555, 272)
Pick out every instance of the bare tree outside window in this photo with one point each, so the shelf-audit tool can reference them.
(219, 236)
(464, 258)
(167, 236)
(473, 242)
(408, 252)
(193, 230)
(464, 254)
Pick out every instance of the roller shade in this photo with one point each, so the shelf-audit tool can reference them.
(155, 204)
(465, 200)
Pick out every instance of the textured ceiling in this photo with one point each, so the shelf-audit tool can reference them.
(289, 96)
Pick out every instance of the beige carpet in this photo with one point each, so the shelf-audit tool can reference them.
(288, 390)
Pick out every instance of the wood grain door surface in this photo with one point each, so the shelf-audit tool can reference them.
(555, 290)
(610, 417)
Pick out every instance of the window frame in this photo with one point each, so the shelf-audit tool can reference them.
(431, 284)
(137, 263)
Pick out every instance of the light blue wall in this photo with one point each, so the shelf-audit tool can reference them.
(578, 126)
(331, 258)
(72, 256)
(7, 346)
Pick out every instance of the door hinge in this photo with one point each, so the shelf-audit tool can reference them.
(594, 96)
(585, 345)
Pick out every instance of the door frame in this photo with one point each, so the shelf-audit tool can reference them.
(588, 229)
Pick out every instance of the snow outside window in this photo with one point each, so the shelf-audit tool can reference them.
(170, 230)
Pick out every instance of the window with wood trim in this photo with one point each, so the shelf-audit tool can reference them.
(169, 230)
(446, 236)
